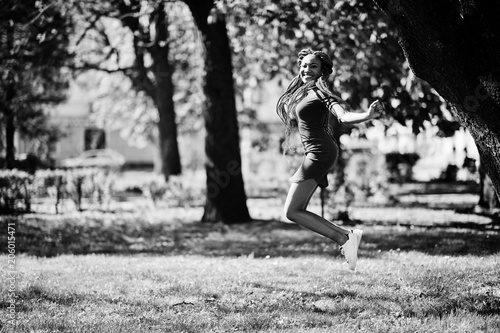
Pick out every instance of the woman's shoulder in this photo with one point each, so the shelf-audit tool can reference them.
(328, 98)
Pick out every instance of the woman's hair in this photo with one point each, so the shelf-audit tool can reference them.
(297, 90)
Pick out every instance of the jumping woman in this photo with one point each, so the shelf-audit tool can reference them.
(306, 105)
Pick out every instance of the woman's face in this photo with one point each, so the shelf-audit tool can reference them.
(310, 68)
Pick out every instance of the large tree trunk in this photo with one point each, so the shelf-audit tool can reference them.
(226, 198)
(455, 46)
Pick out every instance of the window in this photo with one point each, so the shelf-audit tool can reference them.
(95, 139)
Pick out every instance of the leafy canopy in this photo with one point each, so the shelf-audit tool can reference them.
(368, 62)
(34, 39)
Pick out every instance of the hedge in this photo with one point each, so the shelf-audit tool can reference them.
(15, 191)
(18, 188)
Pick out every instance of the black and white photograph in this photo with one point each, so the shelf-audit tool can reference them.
(274, 166)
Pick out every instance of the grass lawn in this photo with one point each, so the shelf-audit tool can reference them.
(420, 270)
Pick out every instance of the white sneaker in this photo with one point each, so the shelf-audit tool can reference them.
(350, 248)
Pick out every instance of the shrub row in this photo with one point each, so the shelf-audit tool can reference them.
(95, 186)
(18, 188)
(177, 191)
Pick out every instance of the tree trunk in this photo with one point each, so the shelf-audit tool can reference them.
(9, 116)
(488, 200)
(10, 149)
(164, 90)
(226, 198)
(456, 48)
(161, 89)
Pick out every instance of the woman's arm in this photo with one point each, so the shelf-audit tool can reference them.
(350, 118)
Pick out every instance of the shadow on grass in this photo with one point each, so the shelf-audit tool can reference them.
(52, 235)
(429, 304)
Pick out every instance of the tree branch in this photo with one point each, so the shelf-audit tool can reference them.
(91, 25)
(39, 14)
(88, 66)
(107, 41)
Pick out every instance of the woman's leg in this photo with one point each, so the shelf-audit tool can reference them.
(296, 210)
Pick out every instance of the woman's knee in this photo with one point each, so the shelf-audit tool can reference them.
(291, 213)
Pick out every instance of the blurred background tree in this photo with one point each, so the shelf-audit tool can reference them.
(164, 43)
(226, 197)
(148, 44)
(34, 60)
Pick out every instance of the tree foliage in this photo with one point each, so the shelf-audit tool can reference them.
(368, 62)
(34, 39)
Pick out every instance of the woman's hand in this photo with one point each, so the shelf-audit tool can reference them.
(376, 109)
(351, 118)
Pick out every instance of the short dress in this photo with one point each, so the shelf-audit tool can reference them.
(320, 150)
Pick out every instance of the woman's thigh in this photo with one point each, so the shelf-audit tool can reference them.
(299, 195)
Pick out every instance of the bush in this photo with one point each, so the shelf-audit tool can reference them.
(94, 185)
(367, 176)
(178, 191)
(17, 188)
(103, 188)
(364, 179)
(155, 189)
(78, 186)
(400, 166)
(15, 191)
(182, 192)
(51, 183)
(30, 163)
